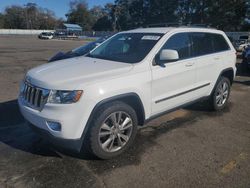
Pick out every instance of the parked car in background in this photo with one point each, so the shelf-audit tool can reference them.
(246, 58)
(82, 50)
(95, 102)
(242, 43)
(60, 34)
(46, 35)
(243, 37)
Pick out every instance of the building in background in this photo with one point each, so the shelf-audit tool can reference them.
(67, 29)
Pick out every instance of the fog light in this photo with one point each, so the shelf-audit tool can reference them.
(55, 126)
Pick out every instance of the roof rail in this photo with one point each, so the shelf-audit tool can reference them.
(168, 24)
(176, 24)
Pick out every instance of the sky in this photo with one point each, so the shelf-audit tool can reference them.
(60, 7)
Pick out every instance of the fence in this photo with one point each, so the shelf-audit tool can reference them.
(97, 33)
(37, 32)
(22, 31)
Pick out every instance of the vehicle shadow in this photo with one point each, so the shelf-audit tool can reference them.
(15, 133)
(242, 70)
(201, 106)
(247, 83)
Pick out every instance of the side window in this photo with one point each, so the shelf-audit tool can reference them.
(202, 44)
(220, 44)
(179, 42)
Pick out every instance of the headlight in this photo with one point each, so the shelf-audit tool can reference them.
(64, 97)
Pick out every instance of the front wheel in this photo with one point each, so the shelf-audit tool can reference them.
(220, 95)
(112, 131)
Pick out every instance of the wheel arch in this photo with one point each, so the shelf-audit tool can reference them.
(131, 99)
(228, 73)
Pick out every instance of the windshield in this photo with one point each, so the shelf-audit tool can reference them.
(126, 47)
(82, 50)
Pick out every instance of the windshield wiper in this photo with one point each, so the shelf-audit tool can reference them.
(90, 55)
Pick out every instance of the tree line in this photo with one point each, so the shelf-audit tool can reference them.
(29, 16)
(228, 15)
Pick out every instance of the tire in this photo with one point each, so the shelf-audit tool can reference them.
(219, 97)
(106, 139)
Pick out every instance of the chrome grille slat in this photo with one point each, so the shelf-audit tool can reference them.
(28, 94)
(35, 97)
(32, 95)
(39, 97)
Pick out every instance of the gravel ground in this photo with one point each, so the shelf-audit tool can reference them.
(190, 147)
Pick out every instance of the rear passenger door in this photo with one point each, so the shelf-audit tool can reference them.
(208, 49)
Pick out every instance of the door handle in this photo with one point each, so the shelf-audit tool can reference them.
(190, 64)
(216, 58)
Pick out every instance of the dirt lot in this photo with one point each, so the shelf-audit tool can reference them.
(188, 148)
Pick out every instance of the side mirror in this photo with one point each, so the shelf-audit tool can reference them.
(168, 55)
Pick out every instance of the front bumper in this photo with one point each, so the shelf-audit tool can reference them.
(68, 144)
(72, 117)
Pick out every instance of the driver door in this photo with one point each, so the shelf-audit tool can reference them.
(173, 82)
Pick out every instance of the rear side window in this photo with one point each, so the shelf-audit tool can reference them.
(181, 43)
(207, 43)
(193, 44)
(220, 44)
(202, 44)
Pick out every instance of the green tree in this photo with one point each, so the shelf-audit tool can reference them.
(222, 14)
(227, 15)
(102, 19)
(1, 21)
(97, 12)
(136, 13)
(29, 16)
(160, 11)
(79, 14)
(14, 18)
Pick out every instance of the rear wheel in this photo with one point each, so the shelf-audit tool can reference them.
(220, 95)
(112, 131)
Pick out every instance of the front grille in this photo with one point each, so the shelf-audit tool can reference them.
(34, 97)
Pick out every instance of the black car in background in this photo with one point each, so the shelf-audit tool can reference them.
(246, 58)
(80, 51)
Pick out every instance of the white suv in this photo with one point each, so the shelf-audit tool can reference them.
(96, 102)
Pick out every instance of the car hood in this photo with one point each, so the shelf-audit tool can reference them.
(72, 73)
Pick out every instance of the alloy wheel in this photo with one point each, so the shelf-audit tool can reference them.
(115, 131)
(222, 94)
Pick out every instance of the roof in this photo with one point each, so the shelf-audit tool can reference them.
(152, 30)
(73, 26)
(164, 30)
